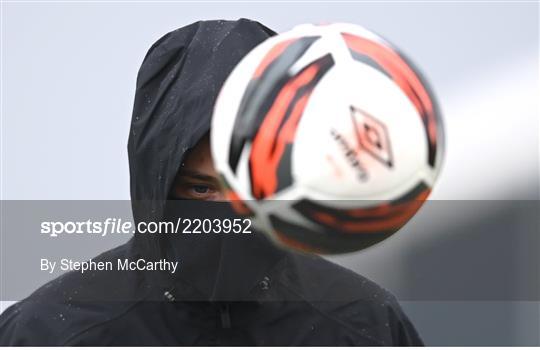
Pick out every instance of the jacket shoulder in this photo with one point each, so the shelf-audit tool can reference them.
(69, 305)
(306, 271)
(350, 299)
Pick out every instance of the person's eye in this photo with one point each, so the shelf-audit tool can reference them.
(201, 189)
(195, 190)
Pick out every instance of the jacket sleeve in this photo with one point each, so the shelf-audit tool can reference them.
(9, 330)
(403, 331)
(24, 324)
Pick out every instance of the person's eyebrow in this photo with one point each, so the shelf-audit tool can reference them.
(197, 175)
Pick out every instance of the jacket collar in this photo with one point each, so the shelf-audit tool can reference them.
(223, 268)
(219, 266)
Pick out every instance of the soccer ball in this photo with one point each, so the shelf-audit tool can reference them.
(327, 137)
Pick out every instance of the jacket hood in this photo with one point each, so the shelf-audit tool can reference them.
(177, 86)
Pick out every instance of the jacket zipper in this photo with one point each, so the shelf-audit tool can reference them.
(225, 315)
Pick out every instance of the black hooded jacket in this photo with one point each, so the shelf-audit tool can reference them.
(228, 291)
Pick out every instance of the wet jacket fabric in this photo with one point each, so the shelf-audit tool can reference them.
(229, 290)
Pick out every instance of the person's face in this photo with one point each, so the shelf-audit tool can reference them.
(197, 178)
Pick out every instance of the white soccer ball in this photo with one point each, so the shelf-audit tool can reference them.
(328, 137)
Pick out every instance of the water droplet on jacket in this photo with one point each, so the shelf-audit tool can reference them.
(265, 283)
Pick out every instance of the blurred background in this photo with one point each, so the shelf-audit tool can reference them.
(465, 269)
